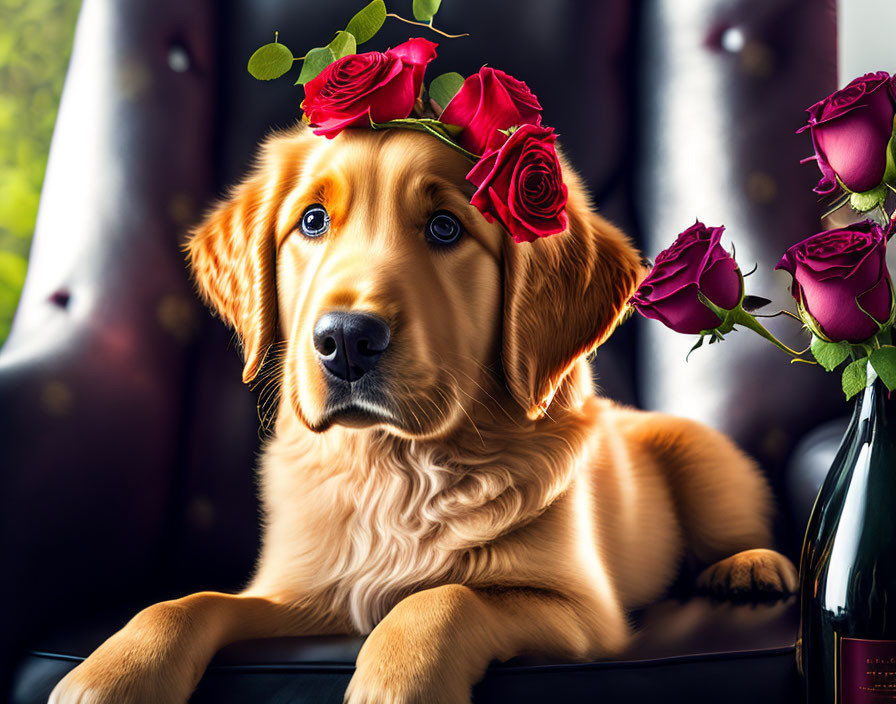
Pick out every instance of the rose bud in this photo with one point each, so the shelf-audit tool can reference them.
(374, 86)
(490, 101)
(832, 271)
(695, 263)
(850, 132)
(521, 185)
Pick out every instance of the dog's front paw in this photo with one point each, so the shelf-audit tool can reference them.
(367, 687)
(127, 669)
(386, 683)
(393, 669)
(94, 683)
(751, 573)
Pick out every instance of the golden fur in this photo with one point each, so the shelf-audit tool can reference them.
(495, 505)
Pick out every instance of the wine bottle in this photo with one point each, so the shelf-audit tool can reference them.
(847, 642)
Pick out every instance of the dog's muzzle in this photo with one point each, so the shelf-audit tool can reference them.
(349, 345)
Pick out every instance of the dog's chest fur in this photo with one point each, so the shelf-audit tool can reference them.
(375, 518)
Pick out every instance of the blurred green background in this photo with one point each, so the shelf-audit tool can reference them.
(35, 43)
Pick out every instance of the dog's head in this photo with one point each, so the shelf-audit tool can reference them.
(396, 302)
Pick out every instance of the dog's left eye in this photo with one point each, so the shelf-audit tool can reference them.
(443, 228)
(315, 221)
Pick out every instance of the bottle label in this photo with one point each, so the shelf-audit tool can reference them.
(867, 671)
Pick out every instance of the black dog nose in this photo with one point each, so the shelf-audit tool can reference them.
(350, 344)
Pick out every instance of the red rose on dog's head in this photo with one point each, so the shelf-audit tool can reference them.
(371, 86)
(521, 185)
(490, 101)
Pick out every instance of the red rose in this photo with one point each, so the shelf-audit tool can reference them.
(850, 132)
(521, 185)
(834, 269)
(696, 262)
(371, 86)
(487, 102)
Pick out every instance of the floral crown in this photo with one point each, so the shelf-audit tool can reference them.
(490, 117)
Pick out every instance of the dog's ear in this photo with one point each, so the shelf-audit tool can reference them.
(232, 252)
(563, 296)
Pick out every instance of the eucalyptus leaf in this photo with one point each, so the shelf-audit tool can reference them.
(343, 44)
(854, 377)
(425, 10)
(270, 61)
(364, 25)
(884, 362)
(315, 61)
(829, 354)
(443, 88)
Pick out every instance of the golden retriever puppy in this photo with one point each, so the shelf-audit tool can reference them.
(441, 475)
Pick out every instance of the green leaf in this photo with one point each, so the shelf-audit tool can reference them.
(884, 362)
(315, 61)
(343, 44)
(868, 200)
(829, 354)
(368, 21)
(270, 61)
(443, 88)
(425, 10)
(854, 377)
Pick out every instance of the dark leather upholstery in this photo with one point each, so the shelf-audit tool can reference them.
(694, 652)
(128, 440)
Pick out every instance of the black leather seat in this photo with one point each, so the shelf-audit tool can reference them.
(685, 652)
(128, 440)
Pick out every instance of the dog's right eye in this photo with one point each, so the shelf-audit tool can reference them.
(315, 221)
(443, 228)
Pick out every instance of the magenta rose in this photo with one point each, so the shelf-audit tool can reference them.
(371, 86)
(850, 131)
(834, 269)
(490, 101)
(695, 263)
(521, 185)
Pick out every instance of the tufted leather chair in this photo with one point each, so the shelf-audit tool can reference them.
(127, 438)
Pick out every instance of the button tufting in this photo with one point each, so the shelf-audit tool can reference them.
(178, 58)
(732, 40)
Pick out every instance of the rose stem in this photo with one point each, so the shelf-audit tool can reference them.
(429, 25)
(741, 317)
